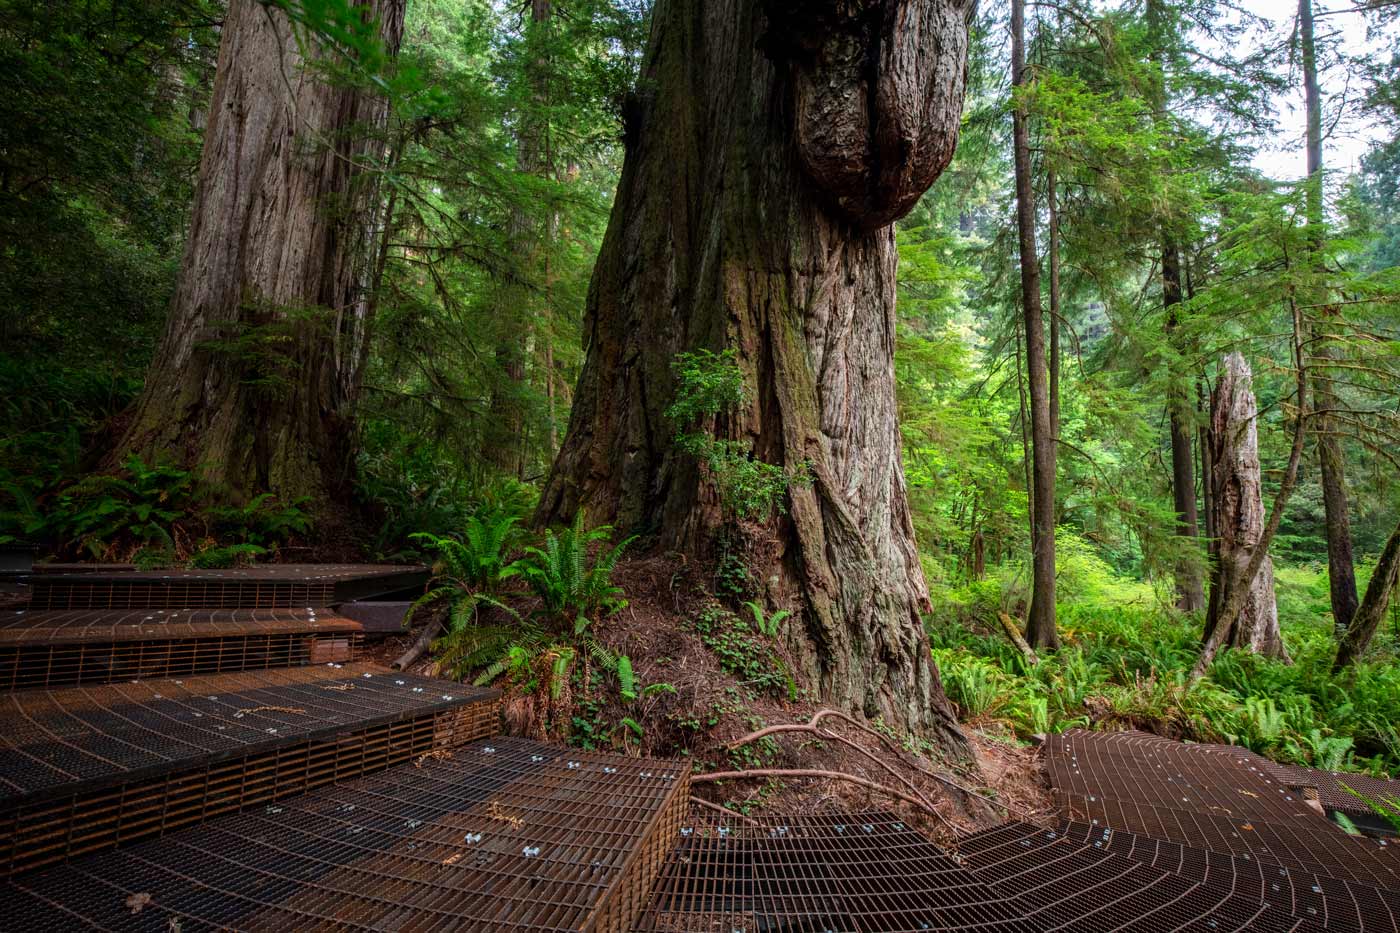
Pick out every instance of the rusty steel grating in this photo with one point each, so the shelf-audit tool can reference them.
(1067, 883)
(63, 647)
(1198, 797)
(1337, 904)
(837, 872)
(89, 737)
(86, 768)
(265, 586)
(506, 834)
(1332, 789)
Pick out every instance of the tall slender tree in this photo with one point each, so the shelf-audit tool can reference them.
(1341, 571)
(1040, 620)
(256, 377)
(770, 146)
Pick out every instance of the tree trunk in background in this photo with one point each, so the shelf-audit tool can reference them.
(1190, 594)
(1239, 513)
(1053, 206)
(256, 377)
(771, 145)
(506, 444)
(1341, 571)
(1372, 609)
(1040, 620)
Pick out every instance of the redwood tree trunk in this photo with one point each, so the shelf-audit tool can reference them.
(1040, 621)
(256, 377)
(771, 144)
(1239, 515)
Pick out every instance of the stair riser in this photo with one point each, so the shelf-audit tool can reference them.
(29, 666)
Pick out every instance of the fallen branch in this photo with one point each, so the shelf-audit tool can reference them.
(1013, 632)
(419, 646)
(700, 801)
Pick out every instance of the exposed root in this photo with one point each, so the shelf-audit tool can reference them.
(813, 727)
(828, 775)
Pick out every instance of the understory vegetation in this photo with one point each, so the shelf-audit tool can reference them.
(1125, 661)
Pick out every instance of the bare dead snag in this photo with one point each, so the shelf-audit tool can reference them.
(1238, 593)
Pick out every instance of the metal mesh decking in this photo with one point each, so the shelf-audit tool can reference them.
(1338, 904)
(58, 647)
(1070, 884)
(1199, 797)
(506, 834)
(845, 872)
(262, 587)
(86, 768)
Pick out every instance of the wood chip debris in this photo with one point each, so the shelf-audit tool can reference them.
(498, 813)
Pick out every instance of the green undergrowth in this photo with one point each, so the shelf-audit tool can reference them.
(1125, 666)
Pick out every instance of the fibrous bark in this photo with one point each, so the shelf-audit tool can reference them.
(1239, 515)
(1040, 619)
(256, 377)
(770, 145)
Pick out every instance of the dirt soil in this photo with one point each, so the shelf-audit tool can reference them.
(710, 709)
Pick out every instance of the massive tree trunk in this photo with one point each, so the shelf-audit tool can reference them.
(256, 377)
(1239, 516)
(1341, 572)
(770, 146)
(1040, 620)
(1190, 593)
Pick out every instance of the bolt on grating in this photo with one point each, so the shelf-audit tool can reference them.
(1066, 883)
(507, 834)
(837, 872)
(265, 586)
(1339, 905)
(1199, 797)
(60, 647)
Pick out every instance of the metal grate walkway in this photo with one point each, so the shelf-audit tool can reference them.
(58, 647)
(503, 835)
(266, 586)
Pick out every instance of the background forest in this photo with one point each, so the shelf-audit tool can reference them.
(1065, 308)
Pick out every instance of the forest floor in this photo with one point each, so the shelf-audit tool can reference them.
(721, 685)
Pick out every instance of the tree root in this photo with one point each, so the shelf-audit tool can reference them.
(813, 727)
(829, 775)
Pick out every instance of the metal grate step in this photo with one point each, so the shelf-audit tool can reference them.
(838, 872)
(1070, 884)
(62, 647)
(1200, 797)
(89, 767)
(267, 586)
(505, 834)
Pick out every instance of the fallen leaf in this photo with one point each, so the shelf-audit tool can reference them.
(452, 859)
(138, 901)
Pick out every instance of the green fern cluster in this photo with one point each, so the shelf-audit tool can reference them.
(573, 591)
